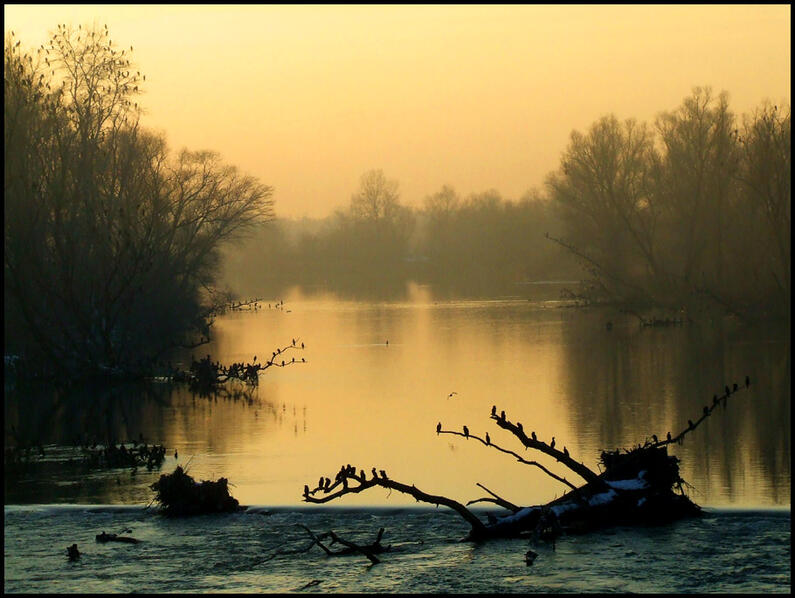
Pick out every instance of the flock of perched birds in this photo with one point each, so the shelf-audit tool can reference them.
(707, 411)
(345, 472)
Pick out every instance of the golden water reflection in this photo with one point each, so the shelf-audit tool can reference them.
(361, 400)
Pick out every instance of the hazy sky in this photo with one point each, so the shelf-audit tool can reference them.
(307, 98)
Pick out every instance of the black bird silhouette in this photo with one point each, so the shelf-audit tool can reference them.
(669, 437)
(502, 415)
(690, 424)
(306, 490)
(494, 409)
(488, 440)
(533, 435)
(361, 474)
(320, 483)
(654, 438)
(302, 345)
(552, 444)
(466, 432)
(519, 426)
(383, 474)
(565, 451)
(375, 474)
(735, 387)
(747, 382)
(438, 427)
(328, 483)
(282, 361)
(176, 455)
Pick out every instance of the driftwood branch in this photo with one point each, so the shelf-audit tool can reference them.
(531, 442)
(369, 551)
(497, 500)
(348, 475)
(706, 412)
(519, 458)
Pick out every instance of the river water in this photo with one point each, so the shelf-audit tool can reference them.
(377, 378)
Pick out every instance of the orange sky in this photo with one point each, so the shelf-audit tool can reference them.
(307, 98)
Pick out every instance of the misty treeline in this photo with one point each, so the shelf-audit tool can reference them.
(111, 241)
(480, 244)
(691, 213)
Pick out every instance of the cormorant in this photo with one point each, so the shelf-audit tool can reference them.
(552, 444)
(669, 437)
(383, 474)
(565, 451)
(502, 415)
(690, 424)
(494, 409)
(303, 360)
(466, 432)
(438, 427)
(747, 382)
(306, 490)
(361, 474)
(282, 361)
(488, 440)
(533, 435)
(320, 483)
(328, 483)
(375, 474)
(654, 438)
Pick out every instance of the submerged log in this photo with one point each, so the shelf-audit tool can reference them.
(638, 486)
(180, 496)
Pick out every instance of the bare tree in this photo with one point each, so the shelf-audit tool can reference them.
(111, 246)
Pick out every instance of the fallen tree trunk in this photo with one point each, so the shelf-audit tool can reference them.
(638, 486)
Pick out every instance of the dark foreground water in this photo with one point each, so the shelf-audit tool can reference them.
(734, 551)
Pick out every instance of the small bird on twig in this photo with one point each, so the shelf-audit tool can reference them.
(488, 440)
(383, 474)
(438, 427)
(466, 432)
(494, 410)
(552, 444)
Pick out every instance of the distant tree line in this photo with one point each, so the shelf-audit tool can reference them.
(693, 213)
(690, 214)
(111, 242)
(477, 245)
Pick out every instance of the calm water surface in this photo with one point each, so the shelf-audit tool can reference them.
(363, 401)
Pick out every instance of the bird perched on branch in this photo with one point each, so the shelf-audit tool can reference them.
(519, 426)
(488, 440)
(669, 437)
(533, 435)
(306, 490)
(466, 432)
(438, 427)
(494, 410)
(502, 415)
(552, 444)
(565, 451)
(690, 424)
(375, 474)
(654, 438)
(383, 474)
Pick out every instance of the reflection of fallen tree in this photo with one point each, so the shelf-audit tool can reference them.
(639, 486)
(179, 495)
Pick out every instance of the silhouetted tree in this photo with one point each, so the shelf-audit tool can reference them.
(111, 246)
